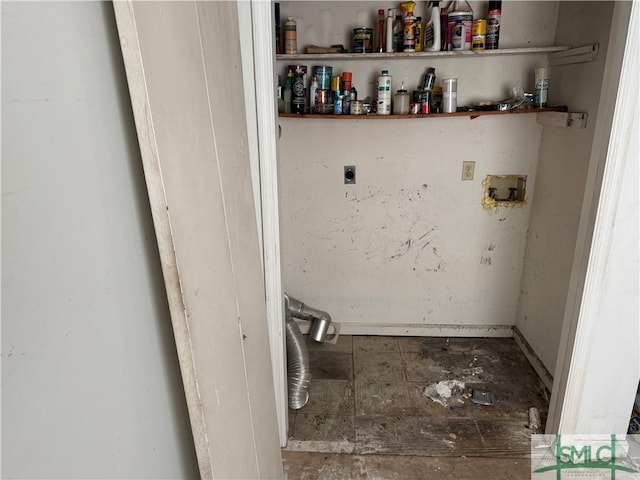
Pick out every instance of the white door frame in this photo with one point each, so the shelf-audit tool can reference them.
(195, 157)
(596, 376)
(262, 21)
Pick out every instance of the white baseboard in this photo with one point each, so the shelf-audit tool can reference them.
(534, 360)
(420, 330)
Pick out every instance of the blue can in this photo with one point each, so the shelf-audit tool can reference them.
(337, 105)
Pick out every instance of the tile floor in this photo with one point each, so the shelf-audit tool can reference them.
(366, 397)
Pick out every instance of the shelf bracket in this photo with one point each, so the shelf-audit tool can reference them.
(588, 53)
(563, 119)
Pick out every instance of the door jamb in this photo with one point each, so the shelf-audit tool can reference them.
(266, 109)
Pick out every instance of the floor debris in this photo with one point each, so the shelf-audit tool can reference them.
(483, 397)
(446, 392)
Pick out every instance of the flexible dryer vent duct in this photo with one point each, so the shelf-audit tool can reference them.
(298, 371)
(320, 320)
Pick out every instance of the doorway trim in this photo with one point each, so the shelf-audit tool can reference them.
(262, 22)
(587, 297)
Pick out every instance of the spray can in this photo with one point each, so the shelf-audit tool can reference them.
(541, 87)
(384, 93)
(409, 22)
(380, 32)
(493, 24)
(290, 36)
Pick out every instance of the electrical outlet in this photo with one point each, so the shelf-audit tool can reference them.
(468, 169)
(349, 174)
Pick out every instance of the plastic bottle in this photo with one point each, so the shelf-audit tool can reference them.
(444, 29)
(449, 95)
(493, 25)
(401, 101)
(409, 27)
(290, 36)
(287, 92)
(384, 93)
(541, 87)
(380, 32)
(436, 28)
(313, 99)
(389, 32)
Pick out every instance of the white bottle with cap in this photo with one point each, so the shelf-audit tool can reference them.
(384, 93)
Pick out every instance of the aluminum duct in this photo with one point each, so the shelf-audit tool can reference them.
(298, 371)
(320, 320)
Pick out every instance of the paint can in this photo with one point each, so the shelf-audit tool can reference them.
(324, 101)
(323, 73)
(460, 30)
(362, 40)
(357, 107)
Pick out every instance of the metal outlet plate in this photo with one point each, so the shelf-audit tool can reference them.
(349, 174)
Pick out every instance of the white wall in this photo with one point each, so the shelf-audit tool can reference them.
(410, 244)
(562, 172)
(90, 379)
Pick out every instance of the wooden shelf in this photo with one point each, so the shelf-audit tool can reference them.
(406, 55)
(472, 115)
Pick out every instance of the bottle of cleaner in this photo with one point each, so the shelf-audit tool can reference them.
(436, 28)
(460, 25)
(409, 27)
(389, 32)
(384, 93)
(444, 29)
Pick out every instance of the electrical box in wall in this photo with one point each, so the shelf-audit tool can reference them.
(504, 191)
